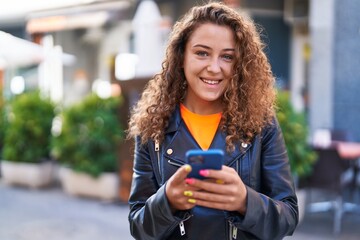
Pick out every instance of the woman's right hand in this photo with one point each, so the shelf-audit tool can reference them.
(176, 189)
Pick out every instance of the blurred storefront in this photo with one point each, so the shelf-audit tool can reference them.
(94, 32)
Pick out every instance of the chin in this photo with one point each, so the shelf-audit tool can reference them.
(211, 99)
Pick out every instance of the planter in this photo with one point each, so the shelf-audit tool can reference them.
(33, 175)
(105, 187)
(301, 197)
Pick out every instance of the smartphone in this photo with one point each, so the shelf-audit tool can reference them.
(204, 159)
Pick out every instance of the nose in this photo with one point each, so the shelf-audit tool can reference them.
(214, 65)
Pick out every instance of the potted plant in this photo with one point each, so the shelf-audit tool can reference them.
(87, 147)
(26, 146)
(295, 131)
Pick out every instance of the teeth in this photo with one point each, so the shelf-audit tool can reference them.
(212, 82)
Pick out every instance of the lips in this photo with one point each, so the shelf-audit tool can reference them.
(210, 82)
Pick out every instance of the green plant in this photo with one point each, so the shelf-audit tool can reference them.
(2, 118)
(28, 128)
(90, 134)
(295, 131)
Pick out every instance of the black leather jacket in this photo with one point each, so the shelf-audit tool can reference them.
(272, 210)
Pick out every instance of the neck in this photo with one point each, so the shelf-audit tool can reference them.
(203, 107)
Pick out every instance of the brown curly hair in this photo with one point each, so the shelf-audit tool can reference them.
(248, 99)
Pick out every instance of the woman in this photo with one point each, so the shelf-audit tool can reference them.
(215, 91)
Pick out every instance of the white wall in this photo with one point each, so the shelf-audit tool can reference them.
(321, 77)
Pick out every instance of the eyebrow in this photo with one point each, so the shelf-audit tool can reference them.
(206, 47)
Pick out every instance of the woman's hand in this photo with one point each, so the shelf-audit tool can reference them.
(176, 189)
(223, 189)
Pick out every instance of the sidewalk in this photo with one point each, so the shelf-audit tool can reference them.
(27, 214)
(319, 226)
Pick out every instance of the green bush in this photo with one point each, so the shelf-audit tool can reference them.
(295, 131)
(90, 135)
(28, 128)
(2, 122)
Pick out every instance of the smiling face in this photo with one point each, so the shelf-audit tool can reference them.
(208, 65)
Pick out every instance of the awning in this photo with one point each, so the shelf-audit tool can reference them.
(20, 11)
(17, 52)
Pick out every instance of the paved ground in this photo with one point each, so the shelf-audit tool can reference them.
(319, 227)
(51, 215)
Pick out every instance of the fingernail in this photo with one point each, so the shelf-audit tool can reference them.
(219, 181)
(188, 193)
(190, 200)
(204, 173)
(187, 168)
(189, 180)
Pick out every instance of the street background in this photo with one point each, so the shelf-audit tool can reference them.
(28, 214)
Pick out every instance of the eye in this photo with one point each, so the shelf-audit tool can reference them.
(202, 53)
(228, 57)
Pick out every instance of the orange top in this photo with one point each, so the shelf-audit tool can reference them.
(201, 127)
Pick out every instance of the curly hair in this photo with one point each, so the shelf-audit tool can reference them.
(249, 98)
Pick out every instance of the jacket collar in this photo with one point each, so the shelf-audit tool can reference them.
(187, 142)
(174, 121)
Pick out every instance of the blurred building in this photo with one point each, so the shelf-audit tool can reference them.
(334, 76)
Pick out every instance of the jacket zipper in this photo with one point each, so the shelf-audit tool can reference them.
(237, 167)
(174, 163)
(232, 231)
(182, 226)
(157, 150)
(233, 228)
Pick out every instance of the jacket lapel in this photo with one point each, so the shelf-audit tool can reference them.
(219, 142)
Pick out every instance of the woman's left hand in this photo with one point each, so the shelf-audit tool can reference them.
(223, 189)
